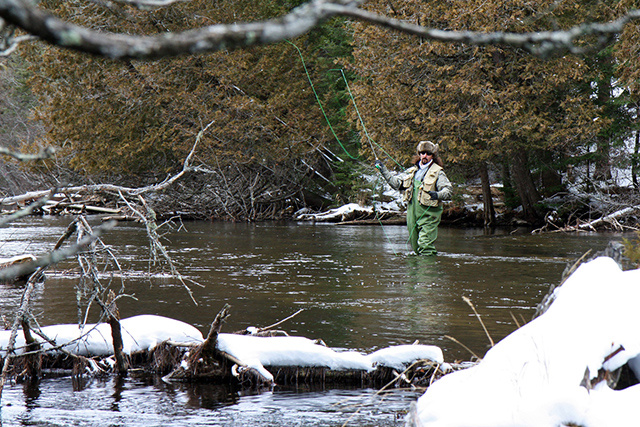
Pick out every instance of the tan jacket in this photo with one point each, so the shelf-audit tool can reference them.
(434, 180)
(428, 184)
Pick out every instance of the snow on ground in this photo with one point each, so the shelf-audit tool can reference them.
(533, 377)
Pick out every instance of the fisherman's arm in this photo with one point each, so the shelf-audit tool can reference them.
(394, 181)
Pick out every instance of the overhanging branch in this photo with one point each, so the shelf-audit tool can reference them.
(299, 21)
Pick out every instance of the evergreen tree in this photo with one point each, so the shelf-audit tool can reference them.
(479, 103)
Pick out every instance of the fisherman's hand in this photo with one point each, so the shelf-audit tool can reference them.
(433, 195)
(378, 164)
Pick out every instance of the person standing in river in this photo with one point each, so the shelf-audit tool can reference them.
(425, 186)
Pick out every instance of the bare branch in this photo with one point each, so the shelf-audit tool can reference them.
(207, 39)
(10, 45)
(299, 21)
(45, 153)
(541, 43)
(146, 4)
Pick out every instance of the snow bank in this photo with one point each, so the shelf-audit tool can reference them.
(258, 352)
(139, 333)
(533, 377)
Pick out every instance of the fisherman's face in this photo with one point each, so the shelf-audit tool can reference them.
(425, 157)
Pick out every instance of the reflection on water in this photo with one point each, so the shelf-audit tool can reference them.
(360, 288)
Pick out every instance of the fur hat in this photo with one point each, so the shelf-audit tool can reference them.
(427, 146)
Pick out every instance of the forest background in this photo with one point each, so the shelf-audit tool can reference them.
(298, 124)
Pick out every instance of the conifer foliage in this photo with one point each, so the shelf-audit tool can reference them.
(267, 139)
(139, 118)
(490, 103)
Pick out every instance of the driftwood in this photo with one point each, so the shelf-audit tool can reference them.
(116, 334)
(610, 220)
(206, 363)
(353, 213)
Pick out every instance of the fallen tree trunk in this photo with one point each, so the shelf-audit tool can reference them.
(609, 219)
(154, 345)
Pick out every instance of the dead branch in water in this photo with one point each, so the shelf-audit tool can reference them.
(209, 344)
(468, 301)
(56, 256)
(21, 314)
(149, 220)
(267, 331)
(206, 362)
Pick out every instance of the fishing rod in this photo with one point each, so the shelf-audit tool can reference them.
(364, 128)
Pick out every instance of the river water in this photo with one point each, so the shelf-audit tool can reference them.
(359, 288)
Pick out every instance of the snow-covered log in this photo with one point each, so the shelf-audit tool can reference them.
(19, 259)
(139, 333)
(346, 212)
(236, 354)
(258, 352)
(608, 219)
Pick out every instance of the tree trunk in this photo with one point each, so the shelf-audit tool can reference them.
(635, 160)
(116, 333)
(521, 175)
(604, 94)
(487, 200)
(603, 160)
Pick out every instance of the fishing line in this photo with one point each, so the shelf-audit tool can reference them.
(304, 65)
(369, 139)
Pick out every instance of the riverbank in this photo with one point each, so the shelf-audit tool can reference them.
(180, 197)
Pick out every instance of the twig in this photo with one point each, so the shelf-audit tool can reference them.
(514, 319)
(468, 301)
(281, 321)
(463, 346)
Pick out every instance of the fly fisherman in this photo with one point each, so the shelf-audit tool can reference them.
(425, 185)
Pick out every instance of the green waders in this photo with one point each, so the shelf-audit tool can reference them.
(422, 222)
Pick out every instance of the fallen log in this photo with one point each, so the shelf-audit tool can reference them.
(53, 206)
(19, 260)
(160, 346)
(610, 220)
